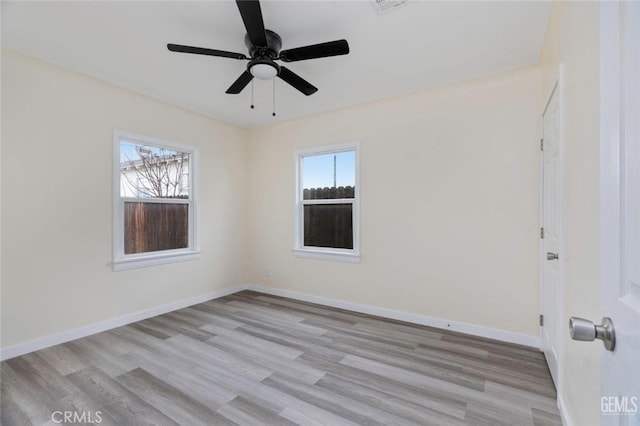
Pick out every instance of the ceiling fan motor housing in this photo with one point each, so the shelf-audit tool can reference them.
(271, 50)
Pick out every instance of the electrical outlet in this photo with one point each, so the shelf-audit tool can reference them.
(267, 272)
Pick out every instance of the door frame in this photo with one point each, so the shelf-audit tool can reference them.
(558, 90)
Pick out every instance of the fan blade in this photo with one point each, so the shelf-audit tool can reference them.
(240, 83)
(203, 51)
(252, 18)
(296, 81)
(322, 50)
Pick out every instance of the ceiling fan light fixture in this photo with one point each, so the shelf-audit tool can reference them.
(264, 71)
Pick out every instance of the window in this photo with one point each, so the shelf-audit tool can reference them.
(155, 201)
(327, 203)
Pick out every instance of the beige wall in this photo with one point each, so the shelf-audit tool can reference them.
(572, 39)
(449, 207)
(57, 160)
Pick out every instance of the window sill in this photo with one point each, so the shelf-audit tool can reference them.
(152, 260)
(336, 256)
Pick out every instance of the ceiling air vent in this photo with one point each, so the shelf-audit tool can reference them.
(384, 6)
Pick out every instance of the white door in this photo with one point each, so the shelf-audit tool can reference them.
(620, 168)
(551, 232)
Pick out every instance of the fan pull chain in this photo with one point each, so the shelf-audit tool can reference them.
(252, 95)
(274, 98)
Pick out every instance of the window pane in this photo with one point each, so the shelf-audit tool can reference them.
(329, 176)
(152, 172)
(328, 225)
(155, 226)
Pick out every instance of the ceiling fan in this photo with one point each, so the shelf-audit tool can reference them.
(264, 49)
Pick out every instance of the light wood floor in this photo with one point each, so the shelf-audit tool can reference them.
(253, 359)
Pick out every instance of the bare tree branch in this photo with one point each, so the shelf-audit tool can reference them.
(158, 172)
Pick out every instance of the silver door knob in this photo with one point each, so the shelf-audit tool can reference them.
(552, 256)
(584, 330)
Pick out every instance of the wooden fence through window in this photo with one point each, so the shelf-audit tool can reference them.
(328, 225)
(155, 226)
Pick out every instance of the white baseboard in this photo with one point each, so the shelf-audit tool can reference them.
(77, 333)
(564, 414)
(475, 330)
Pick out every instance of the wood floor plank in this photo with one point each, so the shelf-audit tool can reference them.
(491, 369)
(451, 348)
(269, 361)
(545, 418)
(269, 398)
(522, 397)
(185, 317)
(100, 357)
(493, 416)
(137, 339)
(380, 329)
(175, 404)
(246, 412)
(484, 404)
(107, 341)
(252, 342)
(153, 330)
(408, 361)
(81, 403)
(63, 359)
(124, 406)
(208, 317)
(16, 407)
(386, 401)
(306, 345)
(312, 310)
(288, 336)
(347, 408)
(409, 377)
(180, 327)
(255, 359)
(37, 370)
(205, 352)
(428, 398)
(310, 415)
(297, 329)
(24, 394)
(208, 392)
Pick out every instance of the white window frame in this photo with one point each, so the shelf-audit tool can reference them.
(123, 261)
(326, 253)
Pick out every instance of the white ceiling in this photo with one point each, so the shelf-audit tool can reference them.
(420, 45)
